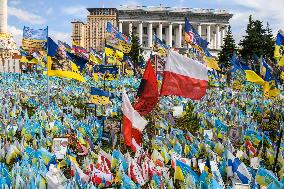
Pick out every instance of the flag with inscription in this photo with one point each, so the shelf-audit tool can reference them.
(60, 64)
(99, 96)
(34, 39)
(117, 39)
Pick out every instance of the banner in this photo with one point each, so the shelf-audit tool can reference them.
(117, 40)
(35, 39)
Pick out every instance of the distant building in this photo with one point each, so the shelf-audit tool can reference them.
(166, 22)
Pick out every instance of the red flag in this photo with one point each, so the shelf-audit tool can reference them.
(133, 124)
(148, 91)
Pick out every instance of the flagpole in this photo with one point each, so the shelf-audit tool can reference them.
(48, 62)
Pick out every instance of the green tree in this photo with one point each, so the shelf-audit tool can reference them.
(269, 43)
(258, 41)
(189, 121)
(136, 51)
(227, 49)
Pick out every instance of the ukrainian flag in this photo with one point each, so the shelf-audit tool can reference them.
(182, 170)
(279, 48)
(265, 178)
(60, 64)
(28, 59)
(99, 96)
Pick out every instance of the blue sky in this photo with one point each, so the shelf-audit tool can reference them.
(57, 14)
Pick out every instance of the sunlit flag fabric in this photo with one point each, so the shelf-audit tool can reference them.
(184, 77)
(133, 124)
(160, 47)
(28, 58)
(60, 64)
(34, 38)
(193, 38)
(182, 170)
(66, 46)
(117, 39)
(279, 49)
(99, 96)
(270, 86)
(238, 169)
(95, 56)
(265, 177)
(148, 91)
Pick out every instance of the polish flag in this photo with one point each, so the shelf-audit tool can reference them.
(133, 124)
(184, 77)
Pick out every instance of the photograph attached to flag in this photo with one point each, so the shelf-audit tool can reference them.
(60, 64)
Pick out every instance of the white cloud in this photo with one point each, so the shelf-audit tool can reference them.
(26, 16)
(49, 11)
(16, 33)
(271, 12)
(76, 11)
(62, 36)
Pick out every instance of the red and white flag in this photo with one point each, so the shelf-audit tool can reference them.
(133, 124)
(184, 77)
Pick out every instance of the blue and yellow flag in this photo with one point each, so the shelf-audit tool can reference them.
(270, 86)
(108, 73)
(99, 96)
(27, 58)
(60, 64)
(95, 57)
(160, 47)
(182, 170)
(62, 44)
(193, 38)
(34, 39)
(279, 49)
(265, 178)
(117, 39)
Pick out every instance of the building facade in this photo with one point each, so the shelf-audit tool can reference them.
(166, 22)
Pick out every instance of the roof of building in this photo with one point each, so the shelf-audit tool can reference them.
(171, 9)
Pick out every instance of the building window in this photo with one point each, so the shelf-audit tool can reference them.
(164, 31)
(145, 30)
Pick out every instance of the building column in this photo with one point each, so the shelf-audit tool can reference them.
(176, 37)
(120, 27)
(217, 36)
(160, 32)
(179, 35)
(223, 34)
(209, 36)
(215, 41)
(130, 28)
(150, 35)
(170, 35)
(199, 29)
(140, 31)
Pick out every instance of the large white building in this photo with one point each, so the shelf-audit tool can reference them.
(144, 21)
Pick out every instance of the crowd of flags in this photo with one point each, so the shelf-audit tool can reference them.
(182, 76)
